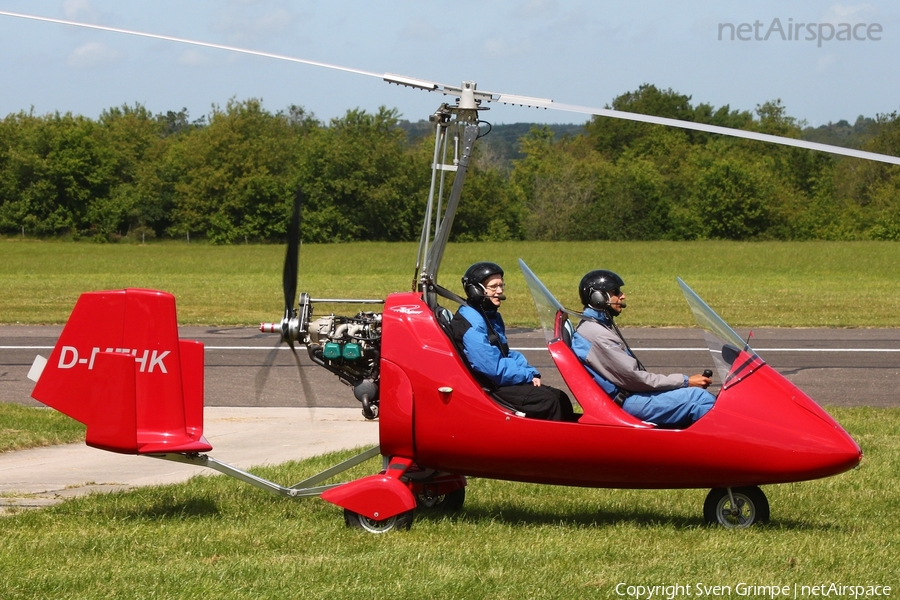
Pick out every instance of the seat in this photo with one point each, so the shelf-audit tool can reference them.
(443, 316)
(567, 332)
(598, 407)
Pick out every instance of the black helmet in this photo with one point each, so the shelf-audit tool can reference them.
(595, 287)
(475, 275)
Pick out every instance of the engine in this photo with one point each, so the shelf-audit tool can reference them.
(349, 347)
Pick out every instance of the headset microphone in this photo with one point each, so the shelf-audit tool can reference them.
(500, 296)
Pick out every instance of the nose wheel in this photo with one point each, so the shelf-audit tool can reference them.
(402, 521)
(736, 507)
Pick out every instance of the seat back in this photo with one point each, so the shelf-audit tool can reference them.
(598, 407)
(443, 317)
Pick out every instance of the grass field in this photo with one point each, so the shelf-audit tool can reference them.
(28, 427)
(799, 284)
(215, 537)
(218, 538)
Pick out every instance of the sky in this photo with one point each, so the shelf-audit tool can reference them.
(575, 52)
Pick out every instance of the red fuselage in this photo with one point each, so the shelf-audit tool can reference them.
(762, 430)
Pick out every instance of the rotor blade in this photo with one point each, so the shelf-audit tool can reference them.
(191, 42)
(292, 256)
(739, 133)
(469, 97)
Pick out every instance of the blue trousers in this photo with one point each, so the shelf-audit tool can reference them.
(672, 408)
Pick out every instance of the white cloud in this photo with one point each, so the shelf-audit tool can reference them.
(840, 13)
(193, 58)
(419, 29)
(500, 47)
(537, 9)
(824, 63)
(91, 55)
(76, 8)
(241, 27)
(275, 21)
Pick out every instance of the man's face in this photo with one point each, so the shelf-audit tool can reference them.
(493, 288)
(616, 301)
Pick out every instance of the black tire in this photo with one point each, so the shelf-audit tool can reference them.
(402, 521)
(752, 506)
(450, 502)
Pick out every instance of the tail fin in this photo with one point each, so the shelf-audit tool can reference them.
(120, 369)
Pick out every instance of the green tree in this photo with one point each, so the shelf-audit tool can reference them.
(132, 141)
(234, 180)
(612, 136)
(362, 180)
(53, 168)
(488, 210)
(729, 198)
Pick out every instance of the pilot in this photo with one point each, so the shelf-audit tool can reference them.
(479, 330)
(673, 401)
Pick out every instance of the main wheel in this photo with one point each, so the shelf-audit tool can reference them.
(402, 521)
(750, 506)
(450, 502)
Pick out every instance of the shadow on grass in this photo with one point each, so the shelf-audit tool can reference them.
(601, 518)
(189, 508)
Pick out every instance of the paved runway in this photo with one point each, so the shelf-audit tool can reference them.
(836, 367)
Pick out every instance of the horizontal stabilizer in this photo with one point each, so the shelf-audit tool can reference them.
(120, 369)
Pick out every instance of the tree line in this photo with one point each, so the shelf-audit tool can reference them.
(231, 177)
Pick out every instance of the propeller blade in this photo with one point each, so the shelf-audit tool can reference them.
(289, 279)
(289, 283)
(308, 393)
(262, 376)
(470, 98)
(292, 257)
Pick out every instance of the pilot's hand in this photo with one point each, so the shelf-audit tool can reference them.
(536, 382)
(700, 381)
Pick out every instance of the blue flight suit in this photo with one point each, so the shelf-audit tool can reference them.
(481, 334)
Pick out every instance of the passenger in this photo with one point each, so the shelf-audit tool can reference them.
(673, 401)
(479, 330)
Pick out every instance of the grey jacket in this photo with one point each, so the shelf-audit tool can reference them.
(601, 349)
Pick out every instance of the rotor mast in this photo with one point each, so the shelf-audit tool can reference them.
(455, 130)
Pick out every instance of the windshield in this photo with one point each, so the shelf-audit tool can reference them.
(546, 305)
(724, 344)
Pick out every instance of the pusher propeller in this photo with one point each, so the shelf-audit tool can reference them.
(294, 323)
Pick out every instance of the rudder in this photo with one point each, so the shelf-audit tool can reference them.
(120, 369)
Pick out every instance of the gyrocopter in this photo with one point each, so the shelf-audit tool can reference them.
(120, 368)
